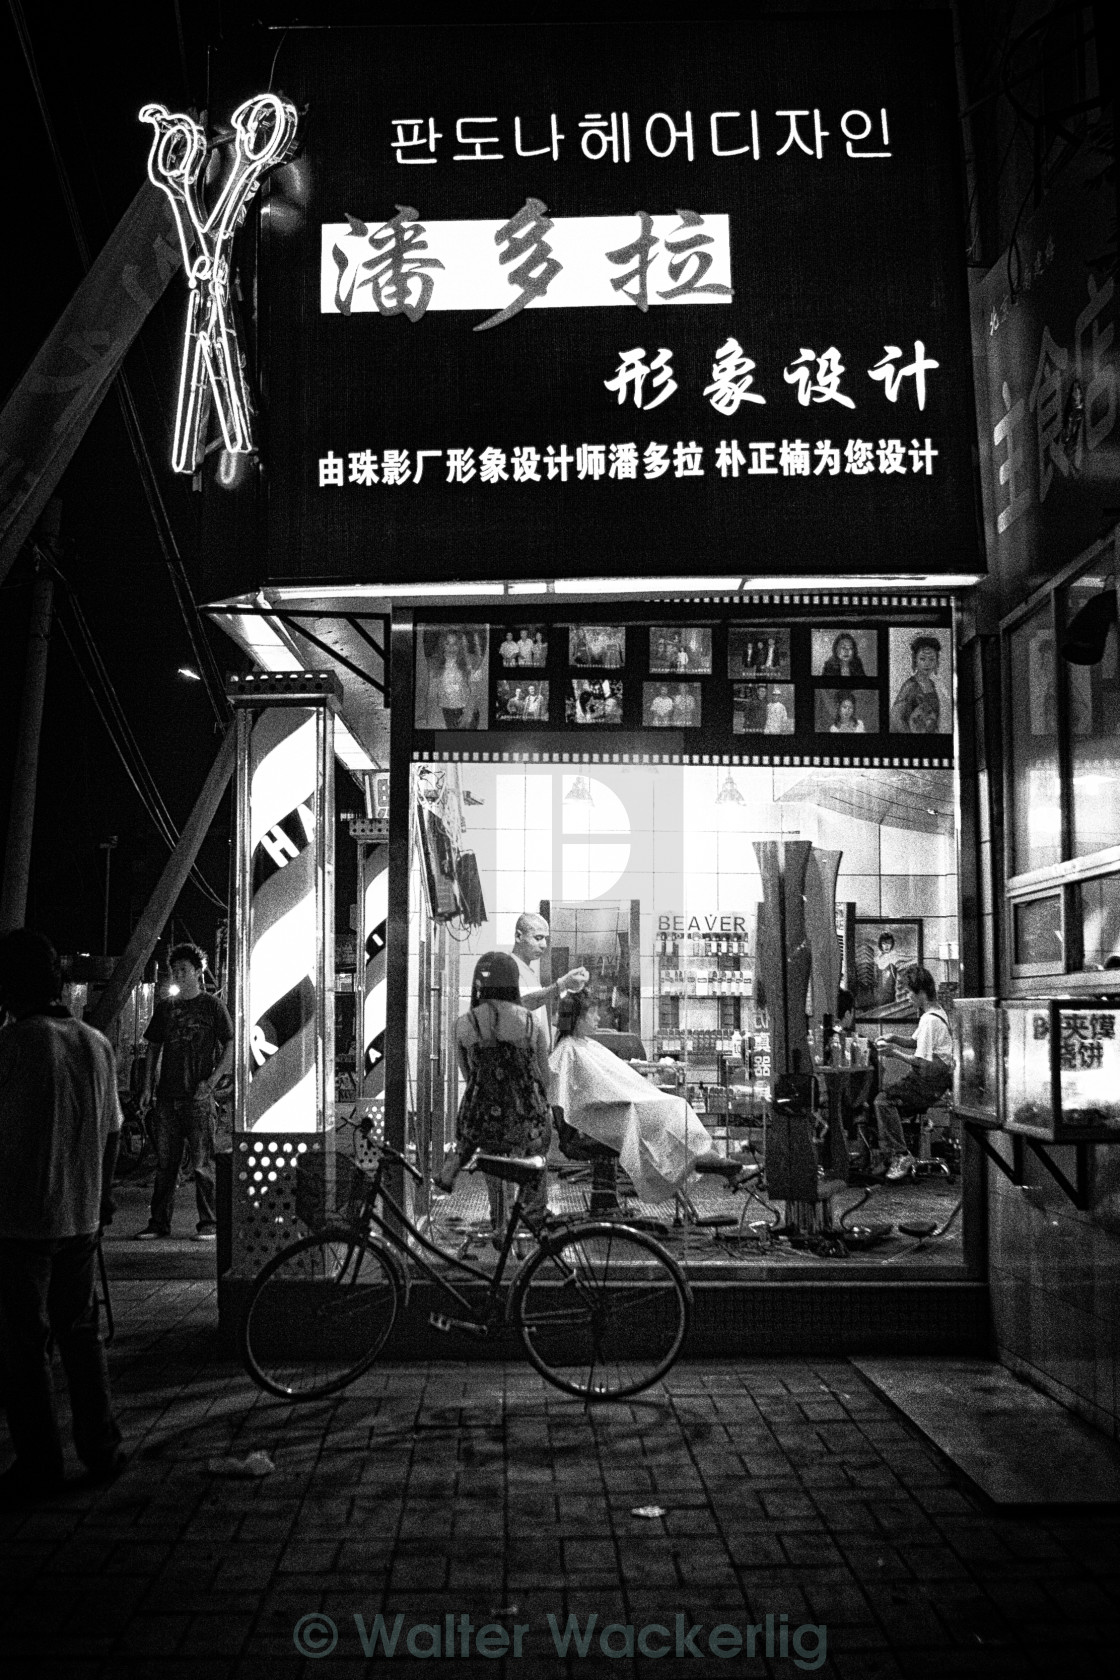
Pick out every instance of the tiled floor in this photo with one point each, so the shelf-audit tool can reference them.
(738, 1241)
(703, 1250)
(786, 1488)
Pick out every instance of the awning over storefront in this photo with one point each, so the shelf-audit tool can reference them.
(347, 638)
(345, 629)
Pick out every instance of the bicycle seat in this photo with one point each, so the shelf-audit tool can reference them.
(735, 1171)
(516, 1169)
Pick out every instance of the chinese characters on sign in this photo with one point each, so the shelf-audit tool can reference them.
(1083, 1037)
(1044, 333)
(733, 377)
(1072, 402)
(1088, 1063)
(444, 311)
(526, 464)
(561, 262)
(613, 137)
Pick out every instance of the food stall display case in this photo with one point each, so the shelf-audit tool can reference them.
(1062, 1069)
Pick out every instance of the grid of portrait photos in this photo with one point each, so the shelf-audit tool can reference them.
(869, 681)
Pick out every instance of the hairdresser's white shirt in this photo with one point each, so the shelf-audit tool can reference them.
(933, 1041)
(530, 982)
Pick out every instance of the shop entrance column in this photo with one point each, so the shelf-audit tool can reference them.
(284, 930)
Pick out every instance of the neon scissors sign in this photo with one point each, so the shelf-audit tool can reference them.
(213, 367)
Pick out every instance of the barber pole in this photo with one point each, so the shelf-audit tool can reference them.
(284, 1017)
(372, 836)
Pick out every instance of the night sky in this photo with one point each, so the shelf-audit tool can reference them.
(97, 68)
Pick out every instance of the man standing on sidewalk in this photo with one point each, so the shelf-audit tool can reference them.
(190, 1040)
(59, 1129)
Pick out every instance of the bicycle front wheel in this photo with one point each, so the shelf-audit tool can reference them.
(318, 1315)
(602, 1312)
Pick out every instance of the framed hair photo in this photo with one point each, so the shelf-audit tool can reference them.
(884, 951)
(525, 645)
(677, 650)
(921, 681)
(521, 702)
(671, 705)
(452, 662)
(845, 653)
(595, 700)
(760, 654)
(846, 711)
(600, 646)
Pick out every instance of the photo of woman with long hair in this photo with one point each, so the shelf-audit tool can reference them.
(451, 667)
(844, 660)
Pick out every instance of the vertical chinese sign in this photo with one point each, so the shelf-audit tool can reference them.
(1048, 373)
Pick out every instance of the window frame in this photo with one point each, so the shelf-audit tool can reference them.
(1070, 872)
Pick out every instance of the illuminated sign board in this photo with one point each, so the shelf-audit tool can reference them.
(589, 299)
(1044, 328)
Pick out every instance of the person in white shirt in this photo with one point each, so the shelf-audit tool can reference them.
(930, 1057)
(530, 942)
(778, 720)
(661, 708)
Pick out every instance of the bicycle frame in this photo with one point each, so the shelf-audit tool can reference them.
(370, 1215)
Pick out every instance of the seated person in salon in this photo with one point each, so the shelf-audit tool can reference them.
(656, 1135)
(846, 1023)
(929, 1055)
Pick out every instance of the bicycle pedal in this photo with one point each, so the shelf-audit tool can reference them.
(443, 1323)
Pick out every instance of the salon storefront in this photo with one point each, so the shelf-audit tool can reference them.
(619, 538)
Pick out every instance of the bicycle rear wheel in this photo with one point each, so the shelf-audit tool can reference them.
(318, 1315)
(603, 1311)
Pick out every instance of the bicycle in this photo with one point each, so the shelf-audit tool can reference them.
(602, 1309)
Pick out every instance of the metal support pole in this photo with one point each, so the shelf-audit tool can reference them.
(140, 946)
(21, 820)
(107, 846)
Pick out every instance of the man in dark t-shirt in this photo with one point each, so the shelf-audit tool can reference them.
(190, 1040)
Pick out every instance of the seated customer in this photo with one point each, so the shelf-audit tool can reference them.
(929, 1055)
(846, 1022)
(656, 1136)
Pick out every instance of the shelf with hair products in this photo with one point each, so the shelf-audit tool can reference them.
(710, 1040)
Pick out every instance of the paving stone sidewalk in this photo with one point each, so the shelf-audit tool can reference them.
(790, 1490)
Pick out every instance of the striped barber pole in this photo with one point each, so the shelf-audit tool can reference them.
(375, 916)
(282, 1026)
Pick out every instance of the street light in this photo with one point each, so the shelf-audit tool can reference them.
(189, 673)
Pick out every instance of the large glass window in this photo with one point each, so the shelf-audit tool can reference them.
(1093, 709)
(1035, 790)
(650, 877)
(1037, 935)
(1061, 665)
(1098, 903)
